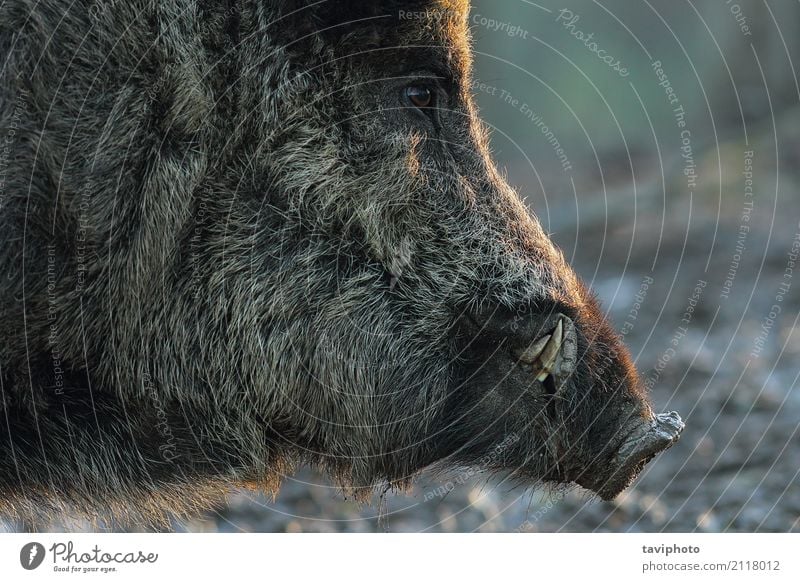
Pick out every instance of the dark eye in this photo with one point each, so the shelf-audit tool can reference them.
(419, 96)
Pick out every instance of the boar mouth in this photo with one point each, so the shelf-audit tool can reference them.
(644, 441)
(553, 356)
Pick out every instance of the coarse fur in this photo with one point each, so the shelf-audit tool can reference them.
(228, 247)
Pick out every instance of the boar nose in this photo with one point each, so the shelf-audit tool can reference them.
(545, 343)
(646, 439)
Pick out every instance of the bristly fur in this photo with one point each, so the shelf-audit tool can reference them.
(224, 252)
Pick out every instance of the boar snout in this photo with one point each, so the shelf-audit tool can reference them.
(561, 376)
(646, 439)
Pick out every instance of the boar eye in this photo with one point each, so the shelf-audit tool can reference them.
(419, 96)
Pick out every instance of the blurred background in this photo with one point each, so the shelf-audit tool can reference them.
(659, 142)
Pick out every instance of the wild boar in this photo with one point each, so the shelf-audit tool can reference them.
(240, 236)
